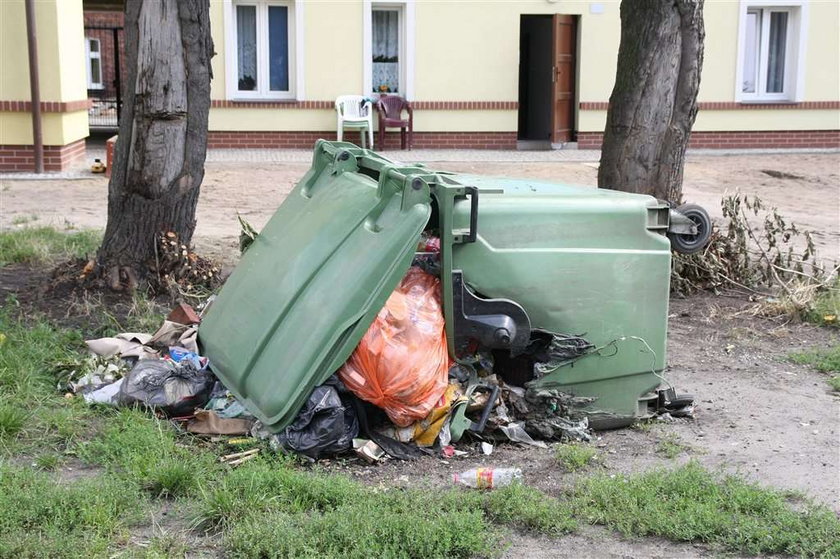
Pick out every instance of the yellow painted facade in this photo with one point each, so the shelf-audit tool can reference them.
(61, 56)
(468, 50)
(463, 51)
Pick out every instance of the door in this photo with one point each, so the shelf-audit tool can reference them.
(563, 79)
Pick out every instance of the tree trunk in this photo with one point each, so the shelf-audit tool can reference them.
(159, 156)
(654, 102)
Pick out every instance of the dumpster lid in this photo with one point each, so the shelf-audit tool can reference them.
(310, 285)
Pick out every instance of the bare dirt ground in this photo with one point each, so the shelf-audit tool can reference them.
(773, 421)
(255, 191)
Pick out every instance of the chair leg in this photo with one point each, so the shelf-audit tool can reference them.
(370, 136)
(402, 138)
(382, 137)
(340, 133)
(362, 137)
(410, 138)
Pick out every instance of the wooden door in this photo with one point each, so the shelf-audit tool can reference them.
(563, 78)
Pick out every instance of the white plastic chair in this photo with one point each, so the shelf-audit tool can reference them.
(355, 111)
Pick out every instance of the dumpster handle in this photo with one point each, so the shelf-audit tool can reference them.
(473, 234)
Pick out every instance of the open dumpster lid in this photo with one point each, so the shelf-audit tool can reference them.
(314, 279)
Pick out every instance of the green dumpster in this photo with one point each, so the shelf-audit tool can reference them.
(517, 256)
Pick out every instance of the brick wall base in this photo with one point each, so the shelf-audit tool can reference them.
(305, 140)
(742, 140)
(56, 158)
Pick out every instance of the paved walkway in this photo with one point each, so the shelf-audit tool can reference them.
(418, 155)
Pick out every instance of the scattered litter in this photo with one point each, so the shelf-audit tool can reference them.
(516, 433)
(174, 388)
(183, 314)
(368, 450)
(401, 363)
(239, 457)
(105, 395)
(124, 345)
(488, 478)
(206, 422)
(324, 425)
(487, 448)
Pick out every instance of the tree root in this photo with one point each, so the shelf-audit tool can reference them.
(117, 275)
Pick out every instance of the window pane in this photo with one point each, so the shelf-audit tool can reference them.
(94, 45)
(278, 48)
(386, 51)
(246, 47)
(752, 40)
(95, 71)
(776, 53)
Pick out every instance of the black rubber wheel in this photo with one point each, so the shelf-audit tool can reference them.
(689, 244)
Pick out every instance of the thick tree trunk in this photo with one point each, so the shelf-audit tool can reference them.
(654, 102)
(159, 158)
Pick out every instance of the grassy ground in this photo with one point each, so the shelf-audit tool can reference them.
(82, 481)
(824, 360)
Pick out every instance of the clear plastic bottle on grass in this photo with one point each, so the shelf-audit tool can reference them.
(488, 478)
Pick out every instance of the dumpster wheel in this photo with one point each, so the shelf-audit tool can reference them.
(687, 243)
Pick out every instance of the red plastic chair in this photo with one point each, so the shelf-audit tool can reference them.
(390, 108)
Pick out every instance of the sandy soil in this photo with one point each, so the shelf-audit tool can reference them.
(774, 422)
(255, 191)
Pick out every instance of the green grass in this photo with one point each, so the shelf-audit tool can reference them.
(46, 245)
(135, 464)
(825, 308)
(670, 446)
(145, 450)
(574, 456)
(693, 504)
(269, 509)
(824, 360)
(12, 420)
(41, 518)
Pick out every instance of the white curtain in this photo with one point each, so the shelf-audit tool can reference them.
(246, 38)
(386, 36)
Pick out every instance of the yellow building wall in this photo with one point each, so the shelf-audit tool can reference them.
(61, 57)
(469, 51)
(822, 60)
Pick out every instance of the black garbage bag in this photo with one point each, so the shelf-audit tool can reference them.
(325, 425)
(174, 388)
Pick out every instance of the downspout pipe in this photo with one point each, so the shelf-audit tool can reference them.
(34, 87)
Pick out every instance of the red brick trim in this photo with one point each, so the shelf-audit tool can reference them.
(290, 104)
(730, 106)
(739, 140)
(466, 105)
(418, 105)
(56, 158)
(305, 140)
(46, 106)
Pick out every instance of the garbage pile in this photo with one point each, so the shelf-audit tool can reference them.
(400, 395)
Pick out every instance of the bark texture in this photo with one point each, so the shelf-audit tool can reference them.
(654, 102)
(159, 156)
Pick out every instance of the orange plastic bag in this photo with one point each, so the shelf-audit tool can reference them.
(401, 365)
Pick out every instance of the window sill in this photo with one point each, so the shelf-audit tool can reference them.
(768, 102)
(263, 100)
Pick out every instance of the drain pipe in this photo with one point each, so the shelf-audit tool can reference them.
(34, 87)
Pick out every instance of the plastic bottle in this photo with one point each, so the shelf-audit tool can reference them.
(488, 478)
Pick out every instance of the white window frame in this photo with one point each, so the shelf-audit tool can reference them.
(797, 35)
(407, 53)
(296, 42)
(90, 55)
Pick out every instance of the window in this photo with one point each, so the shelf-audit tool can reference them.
(94, 65)
(386, 49)
(261, 62)
(770, 53)
(388, 56)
